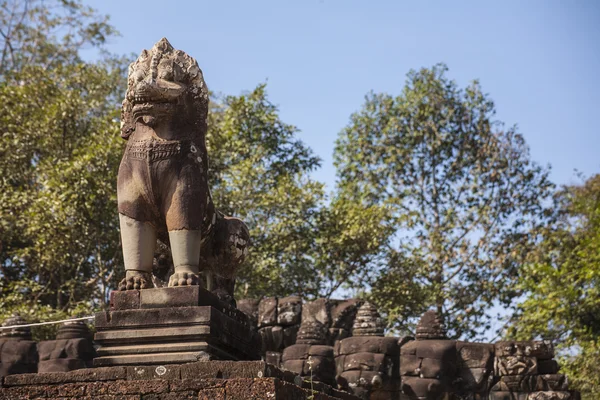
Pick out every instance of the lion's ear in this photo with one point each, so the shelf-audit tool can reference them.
(127, 122)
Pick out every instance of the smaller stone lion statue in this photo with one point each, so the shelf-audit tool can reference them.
(162, 187)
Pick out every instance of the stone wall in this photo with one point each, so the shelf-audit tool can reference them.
(337, 347)
(428, 366)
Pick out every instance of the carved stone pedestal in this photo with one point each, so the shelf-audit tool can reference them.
(172, 326)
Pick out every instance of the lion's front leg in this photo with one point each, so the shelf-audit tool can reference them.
(186, 201)
(139, 239)
(185, 249)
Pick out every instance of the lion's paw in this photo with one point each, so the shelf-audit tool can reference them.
(184, 279)
(137, 281)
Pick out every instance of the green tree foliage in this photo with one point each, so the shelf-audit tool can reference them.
(562, 282)
(462, 192)
(59, 149)
(259, 172)
(351, 241)
(301, 244)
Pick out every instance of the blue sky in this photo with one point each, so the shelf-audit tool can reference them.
(538, 60)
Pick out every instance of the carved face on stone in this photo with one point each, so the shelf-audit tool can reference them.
(164, 84)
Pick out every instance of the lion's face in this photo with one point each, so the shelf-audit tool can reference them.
(164, 83)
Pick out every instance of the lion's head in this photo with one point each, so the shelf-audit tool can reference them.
(163, 83)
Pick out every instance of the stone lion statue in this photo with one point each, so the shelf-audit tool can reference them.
(162, 187)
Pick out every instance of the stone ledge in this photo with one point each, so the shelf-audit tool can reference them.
(197, 370)
(80, 375)
(201, 380)
(160, 389)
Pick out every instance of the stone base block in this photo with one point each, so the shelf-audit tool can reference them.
(192, 325)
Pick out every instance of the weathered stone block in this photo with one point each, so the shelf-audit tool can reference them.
(267, 312)
(289, 310)
(317, 310)
(343, 313)
(444, 350)
(312, 332)
(541, 349)
(17, 356)
(250, 308)
(409, 348)
(271, 338)
(236, 381)
(317, 363)
(212, 394)
(124, 300)
(366, 370)
(296, 352)
(63, 355)
(229, 369)
(320, 351)
(289, 335)
(435, 368)
(369, 344)
(410, 365)
(475, 355)
(138, 387)
(196, 384)
(531, 383)
(367, 362)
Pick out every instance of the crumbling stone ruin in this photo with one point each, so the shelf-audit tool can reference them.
(367, 364)
(72, 349)
(311, 356)
(364, 365)
(528, 370)
(278, 321)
